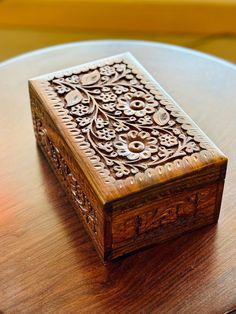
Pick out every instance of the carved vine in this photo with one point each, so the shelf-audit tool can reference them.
(129, 128)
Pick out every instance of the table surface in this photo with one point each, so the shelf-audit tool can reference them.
(47, 262)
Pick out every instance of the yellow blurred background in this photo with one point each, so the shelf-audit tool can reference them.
(204, 25)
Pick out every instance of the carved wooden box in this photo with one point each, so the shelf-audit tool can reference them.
(135, 167)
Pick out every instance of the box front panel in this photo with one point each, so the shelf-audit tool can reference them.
(157, 221)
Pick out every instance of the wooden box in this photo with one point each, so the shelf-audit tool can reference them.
(135, 167)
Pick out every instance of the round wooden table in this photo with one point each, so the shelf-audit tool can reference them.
(47, 262)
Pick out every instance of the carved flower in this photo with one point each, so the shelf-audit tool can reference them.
(119, 89)
(107, 70)
(106, 97)
(107, 146)
(136, 104)
(146, 120)
(168, 140)
(165, 152)
(80, 110)
(106, 134)
(136, 145)
(121, 171)
(119, 126)
(61, 89)
(74, 79)
(120, 67)
(109, 106)
(100, 123)
(59, 80)
(83, 121)
(192, 147)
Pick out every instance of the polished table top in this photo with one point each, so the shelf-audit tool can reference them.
(47, 262)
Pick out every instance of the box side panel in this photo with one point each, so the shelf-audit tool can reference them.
(156, 221)
(69, 175)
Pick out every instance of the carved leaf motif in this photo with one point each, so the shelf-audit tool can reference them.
(161, 117)
(73, 98)
(90, 78)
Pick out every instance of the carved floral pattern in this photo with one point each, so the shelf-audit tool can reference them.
(128, 127)
(73, 186)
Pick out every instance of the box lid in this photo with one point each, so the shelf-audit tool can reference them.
(124, 131)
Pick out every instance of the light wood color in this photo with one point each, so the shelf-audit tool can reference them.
(47, 261)
(176, 16)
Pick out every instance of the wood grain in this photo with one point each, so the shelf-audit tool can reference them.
(47, 262)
